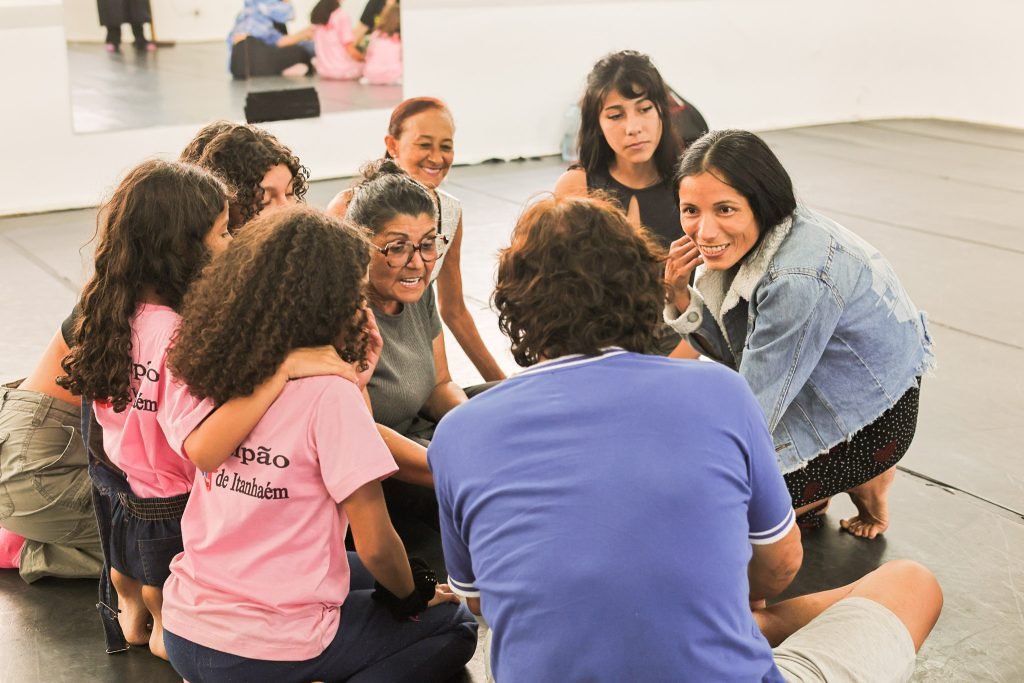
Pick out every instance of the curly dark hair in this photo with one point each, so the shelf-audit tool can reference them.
(385, 191)
(151, 234)
(578, 277)
(194, 150)
(242, 156)
(632, 75)
(265, 297)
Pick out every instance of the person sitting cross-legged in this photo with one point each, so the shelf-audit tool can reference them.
(618, 516)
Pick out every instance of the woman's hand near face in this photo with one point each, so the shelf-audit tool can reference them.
(683, 258)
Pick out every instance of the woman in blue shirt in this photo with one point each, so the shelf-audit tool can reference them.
(810, 314)
(259, 43)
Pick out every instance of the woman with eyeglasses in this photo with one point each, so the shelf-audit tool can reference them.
(421, 141)
(411, 389)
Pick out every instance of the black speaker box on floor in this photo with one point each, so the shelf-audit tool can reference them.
(280, 105)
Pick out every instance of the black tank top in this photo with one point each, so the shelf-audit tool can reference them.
(659, 207)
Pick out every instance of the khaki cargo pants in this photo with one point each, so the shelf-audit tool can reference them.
(45, 490)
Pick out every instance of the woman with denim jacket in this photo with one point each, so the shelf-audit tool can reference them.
(810, 314)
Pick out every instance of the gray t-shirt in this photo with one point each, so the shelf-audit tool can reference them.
(405, 373)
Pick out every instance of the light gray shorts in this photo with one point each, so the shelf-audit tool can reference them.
(855, 640)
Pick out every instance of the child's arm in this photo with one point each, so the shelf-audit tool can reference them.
(354, 52)
(377, 544)
(410, 457)
(213, 441)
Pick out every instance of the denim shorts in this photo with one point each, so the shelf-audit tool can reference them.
(145, 536)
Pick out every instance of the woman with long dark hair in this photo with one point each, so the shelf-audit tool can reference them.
(627, 151)
(810, 314)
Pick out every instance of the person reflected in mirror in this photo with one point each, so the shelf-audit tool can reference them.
(136, 13)
(810, 314)
(337, 55)
(384, 50)
(421, 140)
(262, 173)
(259, 43)
(628, 150)
(368, 20)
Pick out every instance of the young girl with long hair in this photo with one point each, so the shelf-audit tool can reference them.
(337, 54)
(162, 224)
(628, 151)
(264, 590)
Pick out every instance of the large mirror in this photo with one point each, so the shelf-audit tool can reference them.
(145, 63)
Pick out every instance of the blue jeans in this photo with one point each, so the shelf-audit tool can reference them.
(370, 646)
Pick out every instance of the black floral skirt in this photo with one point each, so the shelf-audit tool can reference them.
(872, 450)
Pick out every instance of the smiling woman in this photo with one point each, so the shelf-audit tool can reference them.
(411, 387)
(421, 141)
(811, 315)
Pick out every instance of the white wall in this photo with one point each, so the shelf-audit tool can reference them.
(508, 68)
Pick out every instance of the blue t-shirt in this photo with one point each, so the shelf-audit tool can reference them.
(603, 509)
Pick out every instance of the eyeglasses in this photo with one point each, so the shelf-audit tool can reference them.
(398, 254)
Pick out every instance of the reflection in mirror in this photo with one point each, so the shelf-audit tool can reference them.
(145, 63)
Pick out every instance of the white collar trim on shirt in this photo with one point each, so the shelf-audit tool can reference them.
(570, 361)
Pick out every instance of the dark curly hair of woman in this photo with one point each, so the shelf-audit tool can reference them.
(151, 234)
(194, 149)
(241, 156)
(265, 297)
(578, 277)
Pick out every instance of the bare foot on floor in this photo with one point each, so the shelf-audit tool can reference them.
(156, 643)
(154, 599)
(872, 501)
(133, 616)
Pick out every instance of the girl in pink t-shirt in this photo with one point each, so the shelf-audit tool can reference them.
(264, 589)
(337, 55)
(384, 51)
(162, 224)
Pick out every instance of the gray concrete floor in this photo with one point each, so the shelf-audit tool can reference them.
(943, 201)
(184, 84)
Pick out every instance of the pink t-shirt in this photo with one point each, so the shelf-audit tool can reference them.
(264, 571)
(383, 59)
(329, 41)
(142, 440)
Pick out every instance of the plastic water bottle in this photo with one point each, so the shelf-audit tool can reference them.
(571, 125)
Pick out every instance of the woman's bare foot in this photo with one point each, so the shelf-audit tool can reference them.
(872, 501)
(154, 599)
(132, 613)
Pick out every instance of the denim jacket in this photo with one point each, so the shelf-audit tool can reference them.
(817, 322)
